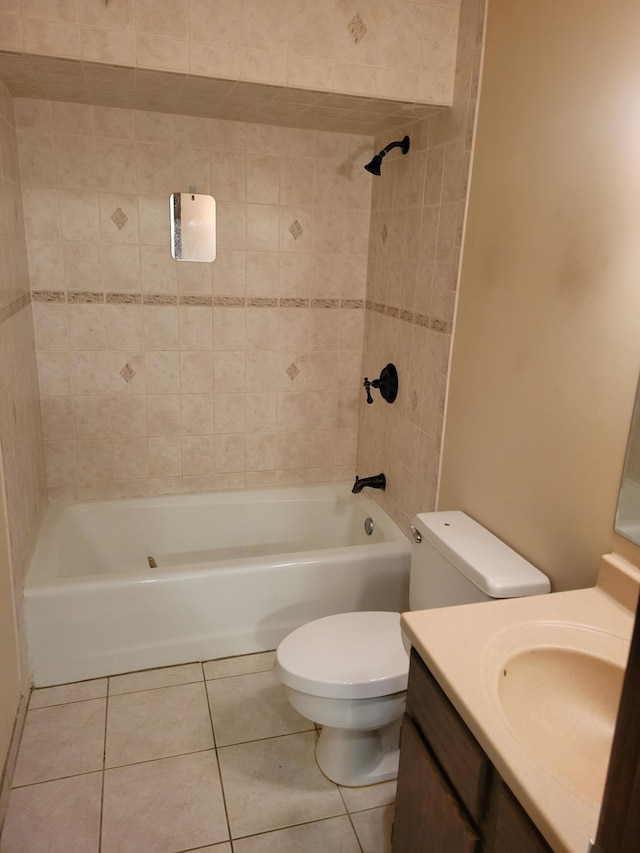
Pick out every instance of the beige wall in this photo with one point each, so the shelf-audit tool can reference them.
(22, 481)
(10, 676)
(241, 372)
(394, 49)
(414, 248)
(547, 350)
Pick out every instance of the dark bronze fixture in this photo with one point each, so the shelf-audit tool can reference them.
(387, 384)
(377, 482)
(374, 165)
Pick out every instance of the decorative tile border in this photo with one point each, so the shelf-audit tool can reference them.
(48, 296)
(89, 297)
(417, 319)
(14, 307)
(262, 302)
(407, 316)
(124, 298)
(85, 297)
(291, 302)
(229, 301)
(325, 303)
(159, 299)
(199, 301)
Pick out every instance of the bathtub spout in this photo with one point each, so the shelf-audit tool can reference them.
(377, 482)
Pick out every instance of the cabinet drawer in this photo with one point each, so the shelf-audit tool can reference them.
(457, 751)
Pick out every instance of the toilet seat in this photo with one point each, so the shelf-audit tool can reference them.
(346, 656)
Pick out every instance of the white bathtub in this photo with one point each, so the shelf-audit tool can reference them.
(236, 572)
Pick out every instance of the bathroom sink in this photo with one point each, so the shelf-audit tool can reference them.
(558, 688)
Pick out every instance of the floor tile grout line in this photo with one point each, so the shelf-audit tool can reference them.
(238, 674)
(222, 791)
(70, 702)
(104, 762)
(106, 769)
(62, 704)
(214, 748)
(108, 678)
(158, 687)
(203, 847)
(262, 739)
(355, 832)
(309, 822)
(161, 758)
(55, 779)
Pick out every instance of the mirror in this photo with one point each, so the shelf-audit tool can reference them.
(193, 227)
(628, 512)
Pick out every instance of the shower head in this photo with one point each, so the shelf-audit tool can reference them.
(376, 162)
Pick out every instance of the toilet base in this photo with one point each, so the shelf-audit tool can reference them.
(356, 758)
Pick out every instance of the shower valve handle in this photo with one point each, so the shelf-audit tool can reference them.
(387, 384)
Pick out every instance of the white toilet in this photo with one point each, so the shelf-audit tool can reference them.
(348, 672)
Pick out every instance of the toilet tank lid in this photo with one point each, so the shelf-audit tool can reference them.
(485, 560)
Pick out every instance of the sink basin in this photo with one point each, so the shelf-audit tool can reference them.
(558, 688)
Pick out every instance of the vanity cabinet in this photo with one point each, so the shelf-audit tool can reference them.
(450, 798)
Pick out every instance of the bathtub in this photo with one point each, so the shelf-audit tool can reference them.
(116, 586)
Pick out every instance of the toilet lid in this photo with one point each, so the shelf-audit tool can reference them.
(347, 656)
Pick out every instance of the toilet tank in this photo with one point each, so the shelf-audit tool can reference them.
(458, 561)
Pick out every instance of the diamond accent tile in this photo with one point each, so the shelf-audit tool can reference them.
(119, 218)
(292, 371)
(385, 233)
(295, 229)
(127, 373)
(357, 28)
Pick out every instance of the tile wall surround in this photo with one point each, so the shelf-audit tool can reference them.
(398, 49)
(417, 219)
(158, 376)
(79, 81)
(20, 429)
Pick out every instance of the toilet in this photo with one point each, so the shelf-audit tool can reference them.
(348, 672)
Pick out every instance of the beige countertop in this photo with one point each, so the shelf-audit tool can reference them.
(465, 647)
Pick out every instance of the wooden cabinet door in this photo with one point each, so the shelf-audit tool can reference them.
(514, 831)
(457, 752)
(428, 817)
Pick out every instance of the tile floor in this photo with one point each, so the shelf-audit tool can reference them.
(202, 757)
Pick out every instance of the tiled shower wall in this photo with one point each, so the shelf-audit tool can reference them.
(20, 431)
(158, 376)
(402, 49)
(415, 242)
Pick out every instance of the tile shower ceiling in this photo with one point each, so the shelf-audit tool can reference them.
(28, 76)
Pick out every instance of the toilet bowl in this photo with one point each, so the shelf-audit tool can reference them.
(348, 672)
